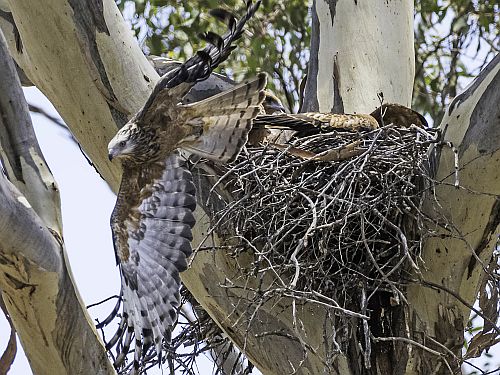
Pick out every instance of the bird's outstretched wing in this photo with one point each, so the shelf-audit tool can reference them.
(271, 105)
(153, 217)
(223, 121)
(151, 226)
(313, 123)
(172, 87)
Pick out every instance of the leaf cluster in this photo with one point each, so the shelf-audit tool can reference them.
(276, 42)
(454, 39)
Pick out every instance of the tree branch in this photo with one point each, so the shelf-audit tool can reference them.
(21, 156)
(359, 49)
(35, 284)
(457, 253)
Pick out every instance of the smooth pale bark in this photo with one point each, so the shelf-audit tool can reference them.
(457, 262)
(358, 50)
(35, 282)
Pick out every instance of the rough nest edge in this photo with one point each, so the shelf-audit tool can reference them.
(320, 230)
(326, 227)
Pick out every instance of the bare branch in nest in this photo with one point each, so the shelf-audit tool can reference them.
(336, 154)
(195, 334)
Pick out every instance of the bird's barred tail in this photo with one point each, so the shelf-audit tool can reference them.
(222, 122)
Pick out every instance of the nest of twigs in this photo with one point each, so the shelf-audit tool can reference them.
(327, 226)
(340, 227)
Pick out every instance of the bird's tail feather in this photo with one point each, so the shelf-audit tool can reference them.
(224, 120)
(246, 94)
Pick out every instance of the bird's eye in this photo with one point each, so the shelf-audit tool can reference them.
(122, 144)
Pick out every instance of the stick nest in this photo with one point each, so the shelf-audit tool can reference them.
(323, 227)
(334, 218)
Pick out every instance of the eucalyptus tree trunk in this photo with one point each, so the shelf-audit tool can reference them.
(35, 279)
(359, 49)
(456, 265)
(81, 54)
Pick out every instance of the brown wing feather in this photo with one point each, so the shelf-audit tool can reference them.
(313, 122)
(151, 226)
(172, 87)
(221, 123)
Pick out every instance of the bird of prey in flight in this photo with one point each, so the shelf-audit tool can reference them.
(153, 215)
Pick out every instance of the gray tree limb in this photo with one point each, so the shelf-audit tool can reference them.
(456, 257)
(35, 282)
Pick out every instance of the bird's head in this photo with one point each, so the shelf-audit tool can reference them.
(272, 104)
(124, 144)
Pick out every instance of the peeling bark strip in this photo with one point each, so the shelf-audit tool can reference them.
(311, 103)
(483, 133)
(10, 112)
(9, 157)
(489, 232)
(484, 129)
(475, 84)
(72, 334)
(9, 354)
(332, 4)
(8, 17)
(338, 103)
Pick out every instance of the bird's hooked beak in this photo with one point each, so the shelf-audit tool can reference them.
(111, 154)
(113, 149)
